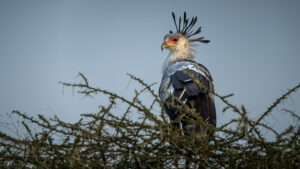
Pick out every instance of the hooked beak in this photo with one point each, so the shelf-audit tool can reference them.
(164, 45)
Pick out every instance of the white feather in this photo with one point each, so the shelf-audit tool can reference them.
(182, 51)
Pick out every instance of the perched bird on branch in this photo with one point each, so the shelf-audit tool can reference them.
(185, 79)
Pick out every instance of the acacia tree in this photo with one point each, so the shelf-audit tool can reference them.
(110, 139)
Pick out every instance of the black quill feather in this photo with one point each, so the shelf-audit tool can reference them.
(185, 27)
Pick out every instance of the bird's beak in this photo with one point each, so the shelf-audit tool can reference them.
(163, 46)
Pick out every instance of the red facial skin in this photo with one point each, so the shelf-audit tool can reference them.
(172, 41)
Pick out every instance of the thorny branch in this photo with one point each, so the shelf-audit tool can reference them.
(111, 139)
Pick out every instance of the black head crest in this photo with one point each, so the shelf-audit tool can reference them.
(185, 27)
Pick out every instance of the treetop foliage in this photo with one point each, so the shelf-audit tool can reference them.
(111, 138)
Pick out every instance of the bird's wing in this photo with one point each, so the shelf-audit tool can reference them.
(196, 96)
(185, 80)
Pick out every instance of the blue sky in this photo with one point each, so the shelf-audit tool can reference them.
(254, 51)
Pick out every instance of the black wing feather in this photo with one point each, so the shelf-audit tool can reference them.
(181, 80)
(193, 92)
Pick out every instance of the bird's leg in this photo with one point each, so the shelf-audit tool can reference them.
(187, 162)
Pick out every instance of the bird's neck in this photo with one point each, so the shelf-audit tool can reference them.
(181, 54)
(175, 55)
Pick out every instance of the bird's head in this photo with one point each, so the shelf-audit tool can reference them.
(174, 42)
(180, 43)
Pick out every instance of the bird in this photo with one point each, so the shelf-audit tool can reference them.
(184, 80)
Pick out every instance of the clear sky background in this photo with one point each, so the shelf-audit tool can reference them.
(254, 51)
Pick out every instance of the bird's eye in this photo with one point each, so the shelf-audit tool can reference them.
(175, 39)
